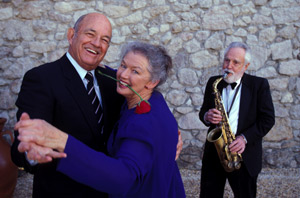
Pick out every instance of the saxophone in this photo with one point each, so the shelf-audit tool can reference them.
(222, 135)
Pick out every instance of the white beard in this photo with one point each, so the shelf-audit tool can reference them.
(235, 76)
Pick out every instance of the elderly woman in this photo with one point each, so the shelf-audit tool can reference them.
(141, 148)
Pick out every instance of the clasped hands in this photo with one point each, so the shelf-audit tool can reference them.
(214, 116)
(41, 141)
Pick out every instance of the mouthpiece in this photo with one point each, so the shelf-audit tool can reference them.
(225, 75)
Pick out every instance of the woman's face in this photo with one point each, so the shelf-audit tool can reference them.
(133, 72)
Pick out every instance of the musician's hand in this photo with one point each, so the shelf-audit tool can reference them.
(213, 116)
(238, 145)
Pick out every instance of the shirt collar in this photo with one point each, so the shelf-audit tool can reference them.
(82, 72)
(238, 81)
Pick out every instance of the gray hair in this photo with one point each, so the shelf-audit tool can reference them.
(160, 63)
(78, 23)
(243, 46)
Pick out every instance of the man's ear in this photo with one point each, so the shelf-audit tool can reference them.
(70, 35)
(246, 66)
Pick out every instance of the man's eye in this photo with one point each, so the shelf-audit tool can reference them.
(105, 41)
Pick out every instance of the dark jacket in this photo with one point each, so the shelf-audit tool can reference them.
(55, 92)
(256, 118)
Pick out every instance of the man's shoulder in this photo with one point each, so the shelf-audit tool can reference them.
(252, 78)
(256, 82)
(49, 67)
(213, 78)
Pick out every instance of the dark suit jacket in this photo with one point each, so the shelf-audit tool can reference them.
(256, 118)
(55, 92)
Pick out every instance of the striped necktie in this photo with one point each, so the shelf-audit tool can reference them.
(94, 100)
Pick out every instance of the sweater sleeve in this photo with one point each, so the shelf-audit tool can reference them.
(119, 174)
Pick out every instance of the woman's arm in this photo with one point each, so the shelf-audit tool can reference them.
(119, 174)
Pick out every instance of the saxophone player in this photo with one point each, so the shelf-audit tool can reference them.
(250, 111)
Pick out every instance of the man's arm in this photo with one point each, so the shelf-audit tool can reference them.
(34, 98)
(265, 116)
(207, 115)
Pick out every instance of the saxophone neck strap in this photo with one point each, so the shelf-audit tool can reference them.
(235, 94)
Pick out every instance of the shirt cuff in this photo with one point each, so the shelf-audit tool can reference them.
(244, 138)
(31, 162)
(206, 122)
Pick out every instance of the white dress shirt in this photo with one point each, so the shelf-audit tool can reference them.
(227, 97)
(82, 72)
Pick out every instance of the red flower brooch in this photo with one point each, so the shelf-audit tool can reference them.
(143, 106)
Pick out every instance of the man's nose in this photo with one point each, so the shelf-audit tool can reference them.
(230, 65)
(96, 42)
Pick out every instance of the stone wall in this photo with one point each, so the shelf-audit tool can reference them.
(195, 33)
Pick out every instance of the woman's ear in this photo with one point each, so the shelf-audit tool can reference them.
(151, 84)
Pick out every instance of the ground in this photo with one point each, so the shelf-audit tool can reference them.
(272, 183)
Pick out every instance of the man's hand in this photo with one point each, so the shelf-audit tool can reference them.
(38, 153)
(30, 135)
(41, 133)
(213, 116)
(179, 145)
(238, 145)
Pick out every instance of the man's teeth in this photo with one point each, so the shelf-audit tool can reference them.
(92, 51)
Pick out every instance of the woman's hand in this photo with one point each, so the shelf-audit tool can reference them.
(179, 145)
(41, 133)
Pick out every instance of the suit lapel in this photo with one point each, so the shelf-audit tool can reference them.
(244, 102)
(76, 87)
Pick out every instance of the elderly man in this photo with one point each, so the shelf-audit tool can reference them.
(249, 107)
(59, 92)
